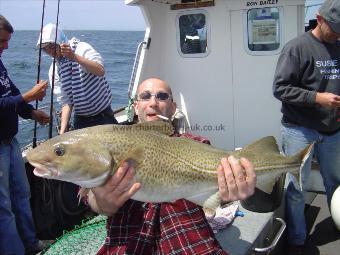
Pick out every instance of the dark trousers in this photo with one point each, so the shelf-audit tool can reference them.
(102, 118)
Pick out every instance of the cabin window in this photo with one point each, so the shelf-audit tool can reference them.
(263, 30)
(192, 34)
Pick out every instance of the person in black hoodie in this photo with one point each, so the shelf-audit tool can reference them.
(307, 81)
(17, 232)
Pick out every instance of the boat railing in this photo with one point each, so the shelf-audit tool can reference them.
(135, 64)
(271, 247)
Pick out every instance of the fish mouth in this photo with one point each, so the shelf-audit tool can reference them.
(42, 171)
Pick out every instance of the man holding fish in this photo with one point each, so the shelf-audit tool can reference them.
(161, 180)
(144, 228)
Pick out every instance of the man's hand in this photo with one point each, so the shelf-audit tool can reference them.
(108, 198)
(38, 92)
(328, 100)
(236, 179)
(40, 116)
(67, 51)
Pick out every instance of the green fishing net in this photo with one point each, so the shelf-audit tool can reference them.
(85, 239)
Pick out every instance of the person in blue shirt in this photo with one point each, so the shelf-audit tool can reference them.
(17, 231)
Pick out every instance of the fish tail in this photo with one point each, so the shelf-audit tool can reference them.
(305, 155)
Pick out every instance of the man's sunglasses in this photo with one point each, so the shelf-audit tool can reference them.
(146, 95)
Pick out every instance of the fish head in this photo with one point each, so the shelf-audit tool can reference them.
(76, 156)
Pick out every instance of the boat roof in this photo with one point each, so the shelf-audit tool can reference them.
(132, 2)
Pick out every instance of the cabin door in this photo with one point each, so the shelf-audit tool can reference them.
(257, 112)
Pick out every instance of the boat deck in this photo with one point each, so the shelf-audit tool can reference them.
(323, 238)
(247, 232)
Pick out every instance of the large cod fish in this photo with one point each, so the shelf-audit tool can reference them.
(169, 168)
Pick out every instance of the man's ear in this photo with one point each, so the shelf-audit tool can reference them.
(174, 106)
(135, 107)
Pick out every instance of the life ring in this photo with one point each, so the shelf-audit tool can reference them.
(335, 208)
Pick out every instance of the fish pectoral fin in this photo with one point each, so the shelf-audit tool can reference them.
(134, 157)
(83, 192)
(158, 126)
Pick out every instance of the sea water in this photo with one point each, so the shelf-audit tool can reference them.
(118, 49)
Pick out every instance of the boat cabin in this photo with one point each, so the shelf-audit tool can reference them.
(219, 57)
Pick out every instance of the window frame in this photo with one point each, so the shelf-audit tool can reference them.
(178, 36)
(246, 33)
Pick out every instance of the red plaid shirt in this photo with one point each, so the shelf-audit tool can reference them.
(163, 228)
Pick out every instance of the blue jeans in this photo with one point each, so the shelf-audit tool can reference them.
(17, 231)
(327, 152)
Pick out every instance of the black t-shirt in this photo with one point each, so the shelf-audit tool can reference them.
(306, 66)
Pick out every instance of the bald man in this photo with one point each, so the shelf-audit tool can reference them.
(178, 227)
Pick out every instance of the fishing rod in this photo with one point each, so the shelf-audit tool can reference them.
(34, 142)
(53, 74)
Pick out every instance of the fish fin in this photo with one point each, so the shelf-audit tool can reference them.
(303, 156)
(159, 126)
(266, 144)
(267, 181)
(211, 204)
(306, 154)
(134, 157)
(83, 192)
(266, 184)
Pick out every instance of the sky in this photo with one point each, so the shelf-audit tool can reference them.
(74, 14)
(84, 14)
(314, 6)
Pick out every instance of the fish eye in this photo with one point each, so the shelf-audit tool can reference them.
(59, 151)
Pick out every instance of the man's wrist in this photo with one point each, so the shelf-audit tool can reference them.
(92, 202)
(75, 58)
(27, 98)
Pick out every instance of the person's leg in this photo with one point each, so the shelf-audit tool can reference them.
(10, 242)
(328, 155)
(20, 196)
(294, 139)
(81, 122)
(106, 117)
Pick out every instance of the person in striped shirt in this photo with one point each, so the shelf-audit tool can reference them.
(80, 74)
